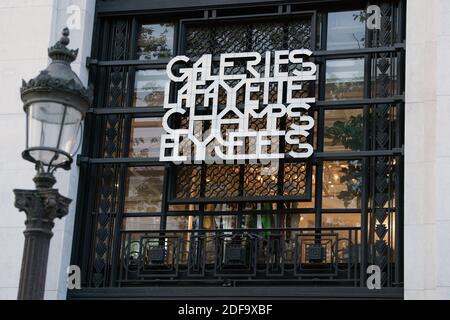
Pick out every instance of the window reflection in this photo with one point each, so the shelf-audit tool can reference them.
(182, 223)
(342, 182)
(346, 30)
(141, 223)
(220, 222)
(344, 79)
(341, 220)
(183, 207)
(299, 221)
(259, 221)
(222, 207)
(155, 41)
(260, 206)
(149, 88)
(145, 137)
(343, 130)
(144, 189)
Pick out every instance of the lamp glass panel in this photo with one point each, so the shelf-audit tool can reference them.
(45, 121)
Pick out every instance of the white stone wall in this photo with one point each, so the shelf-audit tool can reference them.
(427, 176)
(27, 29)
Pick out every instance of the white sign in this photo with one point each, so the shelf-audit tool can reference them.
(243, 77)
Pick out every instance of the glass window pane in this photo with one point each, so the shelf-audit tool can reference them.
(220, 222)
(155, 41)
(343, 130)
(344, 79)
(143, 191)
(141, 223)
(145, 137)
(183, 207)
(149, 88)
(342, 181)
(341, 220)
(299, 221)
(182, 223)
(253, 206)
(222, 207)
(301, 205)
(259, 221)
(346, 30)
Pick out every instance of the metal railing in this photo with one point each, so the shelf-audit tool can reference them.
(230, 257)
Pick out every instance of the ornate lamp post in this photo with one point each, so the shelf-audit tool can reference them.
(55, 103)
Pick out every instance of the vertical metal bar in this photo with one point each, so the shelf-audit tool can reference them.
(320, 130)
(123, 169)
(366, 169)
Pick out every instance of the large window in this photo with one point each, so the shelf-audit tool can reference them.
(326, 218)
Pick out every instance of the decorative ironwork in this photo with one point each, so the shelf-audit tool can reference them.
(258, 181)
(188, 180)
(382, 165)
(232, 256)
(222, 181)
(248, 37)
(120, 257)
(295, 177)
(106, 208)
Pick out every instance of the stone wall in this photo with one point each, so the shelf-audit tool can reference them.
(28, 28)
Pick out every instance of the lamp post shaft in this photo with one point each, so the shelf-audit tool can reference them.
(41, 206)
(34, 266)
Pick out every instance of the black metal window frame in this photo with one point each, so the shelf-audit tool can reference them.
(90, 164)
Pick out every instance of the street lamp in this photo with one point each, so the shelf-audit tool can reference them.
(55, 103)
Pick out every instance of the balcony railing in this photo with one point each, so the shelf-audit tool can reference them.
(235, 257)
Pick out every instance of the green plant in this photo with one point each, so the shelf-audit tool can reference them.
(352, 178)
(350, 134)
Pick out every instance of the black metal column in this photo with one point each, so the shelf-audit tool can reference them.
(41, 206)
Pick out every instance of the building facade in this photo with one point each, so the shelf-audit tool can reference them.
(371, 196)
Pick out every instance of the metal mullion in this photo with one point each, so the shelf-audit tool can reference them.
(92, 202)
(241, 192)
(94, 124)
(318, 156)
(123, 169)
(320, 129)
(169, 169)
(364, 218)
(83, 204)
(128, 63)
(130, 161)
(164, 202)
(365, 177)
(330, 229)
(370, 101)
(202, 195)
(313, 31)
(149, 111)
(256, 17)
(399, 220)
(341, 54)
